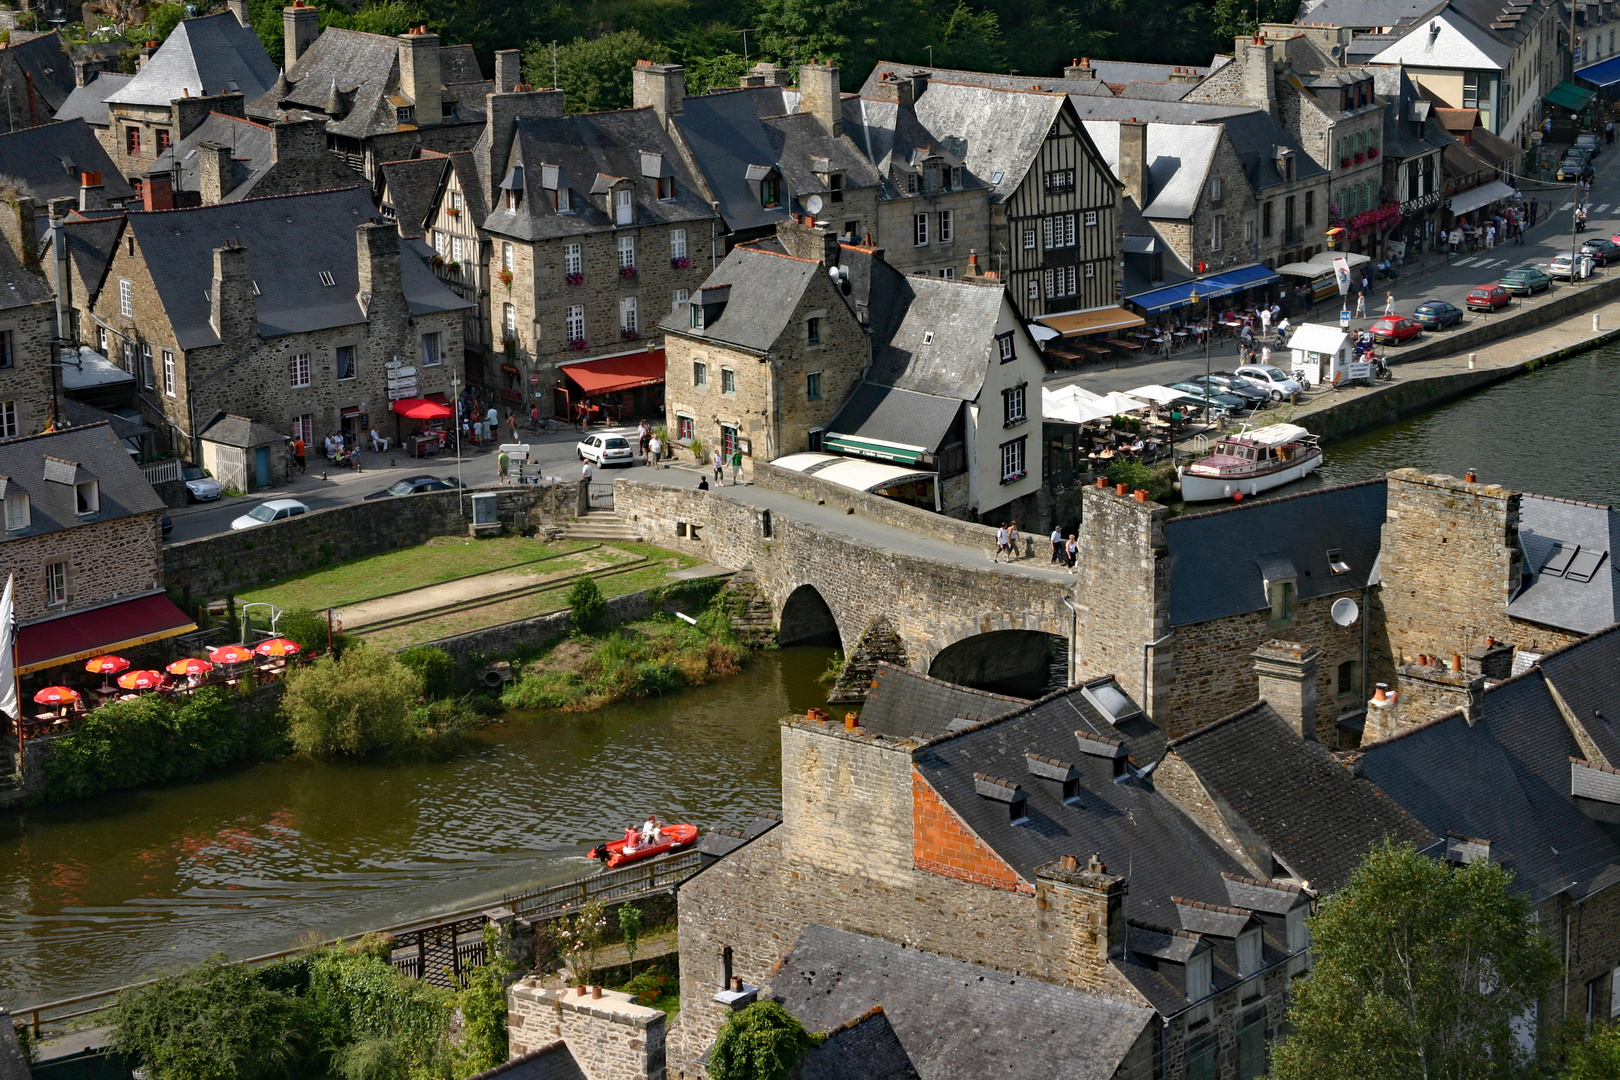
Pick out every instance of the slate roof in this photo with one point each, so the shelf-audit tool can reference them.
(90, 239)
(79, 414)
(289, 239)
(49, 159)
(1404, 135)
(89, 102)
(1564, 542)
(588, 147)
(1255, 137)
(894, 415)
(1165, 853)
(1128, 71)
(894, 140)
(1587, 676)
(18, 287)
(953, 1019)
(944, 340)
(1179, 157)
(1317, 818)
(1149, 111)
(1152, 91)
(725, 135)
(98, 454)
(903, 702)
(1504, 779)
(997, 133)
(48, 71)
(412, 187)
(765, 287)
(1361, 14)
(211, 55)
(1461, 43)
(866, 1048)
(554, 1061)
(240, 431)
(722, 842)
(252, 148)
(992, 80)
(1216, 556)
(798, 138)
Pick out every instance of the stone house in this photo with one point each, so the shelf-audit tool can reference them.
(448, 216)
(405, 191)
(55, 161)
(284, 310)
(206, 57)
(960, 831)
(87, 101)
(379, 98)
(1414, 144)
(30, 388)
(762, 151)
(82, 542)
(227, 158)
(932, 213)
(36, 79)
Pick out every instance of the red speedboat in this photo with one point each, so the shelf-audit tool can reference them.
(671, 838)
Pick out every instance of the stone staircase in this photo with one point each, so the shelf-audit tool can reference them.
(601, 525)
(750, 611)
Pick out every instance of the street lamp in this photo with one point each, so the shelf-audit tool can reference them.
(455, 436)
(1209, 332)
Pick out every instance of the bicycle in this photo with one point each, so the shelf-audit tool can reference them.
(546, 424)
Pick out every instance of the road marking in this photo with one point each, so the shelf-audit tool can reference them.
(1566, 206)
(1463, 262)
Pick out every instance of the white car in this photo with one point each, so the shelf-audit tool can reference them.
(200, 487)
(1273, 380)
(274, 510)
(1560, 266)
(607, 448)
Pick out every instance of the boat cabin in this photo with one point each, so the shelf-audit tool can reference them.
(1258, 451)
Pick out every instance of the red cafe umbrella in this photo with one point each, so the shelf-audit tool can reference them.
(423, 409)
(231, 654)
(57, 695)
(141, 680)
(277, 647)
(104, 666)
(190, 666)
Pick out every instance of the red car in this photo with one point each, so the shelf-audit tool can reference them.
(1394, 329)
(1488, 298)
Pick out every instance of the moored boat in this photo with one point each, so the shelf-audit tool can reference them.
(671, 838)
(1250, 462)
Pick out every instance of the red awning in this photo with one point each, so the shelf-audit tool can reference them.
(416, 408)
(618, 372)
(104, 630)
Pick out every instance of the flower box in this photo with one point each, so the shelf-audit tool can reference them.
(1372, 152)
(1013, 478)
(680, 262)
(1360, 158)
(629, 335)
(577, 344)
(453, 265)
(506, 278)
(1344, 163)
(627, 271)
(574, 279)
(453, 211)
(509, 346)
(437, 260)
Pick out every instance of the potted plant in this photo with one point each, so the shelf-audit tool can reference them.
(437, 260)
(577, 344)
(680, 262)
(1360, 158)
(575, 279)
(1372, 152)
(506, 278)
(509, 346)
(1344, 163)
(627, 271)
(628, 334)
(453, 264)
(453, 211)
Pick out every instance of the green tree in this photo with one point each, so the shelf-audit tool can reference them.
(351, 706)
(483, 1007)
(630, 927)
(760, 1042)
(1594, 1057)
(434, 665)
(1421, 970)
(594, 73)
(1235, 18)
(585, 605)
(717, 72)
(389, 18)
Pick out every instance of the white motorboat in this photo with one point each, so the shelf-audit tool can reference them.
(1250, 462)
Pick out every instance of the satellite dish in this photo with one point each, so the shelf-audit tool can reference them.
(813, 204)
(1344, 611)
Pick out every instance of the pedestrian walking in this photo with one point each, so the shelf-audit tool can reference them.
(534, 418)
(298, 454)
(1001, 543)
(655, 449)
(719, 464)
(586, 471)
(1265, 321)
(1535, 207)
(1361, 304)
(1519, 232)
(736, 466)
(503, 464)
(1057, 546)
(1366, 282)
(1012, 540)
(1071, 551)
(1389, 303)
(1490, 237)
(643, 437)
(1608, 133)
(1265, 354)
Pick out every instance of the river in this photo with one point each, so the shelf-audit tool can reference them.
(107, 891)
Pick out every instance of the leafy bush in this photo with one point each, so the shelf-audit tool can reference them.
(215, 1021)
(309, 628)
(483, 1008)
(356, 996)
(585, 605)
(436, 668)
(630, 928)
(147, 741)
(760, 1042)
(1159, 480)
(374, 1058)
(353, 705)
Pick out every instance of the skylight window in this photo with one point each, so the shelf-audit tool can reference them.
(1336, 561)
(928, 337)
(327, 278)
(1560, 559)
(1585, 565)
(1107, 698)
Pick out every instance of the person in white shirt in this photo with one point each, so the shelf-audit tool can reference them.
(651, 832)
(379, 442)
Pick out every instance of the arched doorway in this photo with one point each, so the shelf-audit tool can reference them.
(807, 620)
(1015, 662)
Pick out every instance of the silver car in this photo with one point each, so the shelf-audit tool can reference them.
(1274, 380)
(200, 487)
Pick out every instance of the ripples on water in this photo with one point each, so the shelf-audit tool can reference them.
(104, 892)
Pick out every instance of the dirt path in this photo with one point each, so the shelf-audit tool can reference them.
(358, 616)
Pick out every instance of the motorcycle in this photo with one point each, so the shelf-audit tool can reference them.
(1381, 369)
(1299, 376)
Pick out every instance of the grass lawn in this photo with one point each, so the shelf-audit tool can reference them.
(440, 559)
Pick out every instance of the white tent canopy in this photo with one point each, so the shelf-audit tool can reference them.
(1075, 405)
(1317, 338)
(857, 474)
(1159, 395)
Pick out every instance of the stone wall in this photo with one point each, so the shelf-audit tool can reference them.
(106, 560)
(230, 562)
(893, 231)
(610, 1036)
(1124, 594)
(846, 799)
(25, 386)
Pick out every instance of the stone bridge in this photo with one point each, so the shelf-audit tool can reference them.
(932, 601)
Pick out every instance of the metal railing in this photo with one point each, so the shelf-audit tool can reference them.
(654, 875)
(160, 472)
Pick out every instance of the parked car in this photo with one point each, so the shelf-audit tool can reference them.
(168, 524)
(1488, 298)
(607, 449)
(1215, 400)
(1526, 281)
(1395, 329)
(1436, 315)
(200, 487)
(274, 510)
(1560, 266)
(1232, 384)
(413, 484)
(1275, 380)
(1587, 142)
(1603, 251)
(1572, 166)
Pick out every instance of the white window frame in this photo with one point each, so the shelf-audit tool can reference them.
(1014, 406)
(728, 380)
(1199, 976)
(677, 243)
(1090, 219)
(700, 373)
(56, 590)
(1029, 239)
(354, 363)
(303, 427)
(18, 516)
(507, 257)
(627, 252)
(8, 419)
(677, 298)
(574, 322)
(509, 322)
(432, 349)
(299, 372)
(168, 373)
(624, 207)
(573, 259)
(87, 497)
(146, 365)
(126, 298)
(1217, 226)
(629, 318)
(1034, 289)
(1012, 459)
(919, 230)
(947, 230)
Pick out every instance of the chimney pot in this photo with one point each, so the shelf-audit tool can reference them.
(1070, 862)
(736, 983)
(1456, 661)
(851, 722)
(596, 991)
(1470, 476)
(1380, 692)
(1120, 489)
(1141, 495)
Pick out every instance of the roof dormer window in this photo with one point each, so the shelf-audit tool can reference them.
(624, 206)
(406, 114)
(88, 494)
(770, 192)
(562, 201)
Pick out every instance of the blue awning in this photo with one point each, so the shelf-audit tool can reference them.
(1212, 287)
(1602, 73)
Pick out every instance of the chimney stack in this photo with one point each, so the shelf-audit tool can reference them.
(419, 77)
(1133, 159)
(300, 26)
(508, 70)
(377, 248)
(239, 8)
(85, 71)
(92, 196)
(1079, 921)
(1080, 69)
(897, 89)
(1287, 673)
(216, 175)
(501, 114)
(820, 95)
(157, 194)
(1258, 89)
(233, 312)
(660, 86)
(298, 140)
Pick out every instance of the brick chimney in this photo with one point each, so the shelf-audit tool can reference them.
(232, 310)
(501, 114)
(609, 1035)
(1383, 714)
(896, 88)
(216, 175)
(189, 112)
(508, 70)
(157, 193)
(1258, 88)
(660, 86)
(92, 195)
(1133, 159)
(300, 26)
(1080, 921)
(1080, 69)
(377, 249)
(1184, 75)
(1287, 675)
(419, 77)
(819, 95)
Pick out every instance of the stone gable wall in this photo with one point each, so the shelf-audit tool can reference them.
(611, 1037)
(106, 560)
(26, 384)
(893, 231)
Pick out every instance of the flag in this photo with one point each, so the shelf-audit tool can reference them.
(1341, 273)
(8, 653)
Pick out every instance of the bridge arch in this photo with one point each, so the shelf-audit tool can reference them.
(1005, 652)
(807, 619)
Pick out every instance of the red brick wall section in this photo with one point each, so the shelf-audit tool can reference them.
(942, 844)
